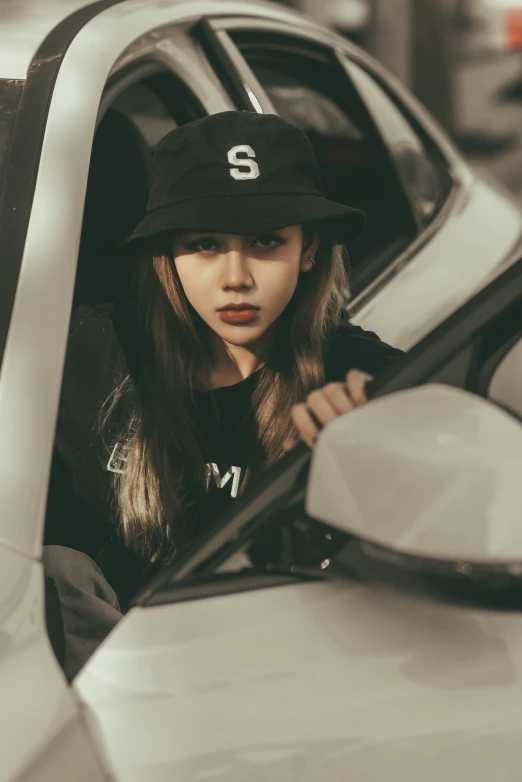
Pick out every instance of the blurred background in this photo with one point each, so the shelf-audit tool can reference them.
(462, 58)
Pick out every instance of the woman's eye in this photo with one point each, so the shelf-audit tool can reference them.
(268, 242)
(203, 245)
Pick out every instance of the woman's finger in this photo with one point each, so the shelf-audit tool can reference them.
(306, 427)
(338, 396)
(355, 386)
(321, 406)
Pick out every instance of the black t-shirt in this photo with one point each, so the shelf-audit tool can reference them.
(80, 507)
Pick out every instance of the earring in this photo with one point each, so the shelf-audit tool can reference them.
(311, 259)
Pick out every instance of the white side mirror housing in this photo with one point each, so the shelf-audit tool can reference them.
(433, 471)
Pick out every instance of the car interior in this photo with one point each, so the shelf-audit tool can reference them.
(117, 192)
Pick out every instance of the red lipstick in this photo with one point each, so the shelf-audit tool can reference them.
(238, 313)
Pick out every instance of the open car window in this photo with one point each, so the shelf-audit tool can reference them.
(267, 539)
(423, 171)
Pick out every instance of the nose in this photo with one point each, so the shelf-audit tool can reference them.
(236, 273)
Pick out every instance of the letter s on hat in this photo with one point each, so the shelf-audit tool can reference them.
(234, 160)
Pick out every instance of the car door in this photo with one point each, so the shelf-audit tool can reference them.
(113, 88)
(428, 244)
(280, 672)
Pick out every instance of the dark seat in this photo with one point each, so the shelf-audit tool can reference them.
(117, 192)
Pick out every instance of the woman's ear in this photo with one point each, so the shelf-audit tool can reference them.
(310, 247)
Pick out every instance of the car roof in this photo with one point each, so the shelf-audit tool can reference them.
(24, 24)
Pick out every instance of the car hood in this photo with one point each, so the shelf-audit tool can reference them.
(324, 680)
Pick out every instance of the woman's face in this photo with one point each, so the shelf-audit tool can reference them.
(259, 272)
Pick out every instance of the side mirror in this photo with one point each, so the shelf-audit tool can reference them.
(433, 472)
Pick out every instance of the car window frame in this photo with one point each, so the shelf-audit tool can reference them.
(144, 71)
(426, 141)
(230, 66)
(447, 354)
(25, 150)
(216, 33)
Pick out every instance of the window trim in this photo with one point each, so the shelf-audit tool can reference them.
(431, 148)
(217, 585)
(456, 201)
(122, 81)
(231, 68)
(138, 73)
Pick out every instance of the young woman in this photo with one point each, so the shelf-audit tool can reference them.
(236, 346)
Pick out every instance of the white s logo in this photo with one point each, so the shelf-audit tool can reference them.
(234, 160)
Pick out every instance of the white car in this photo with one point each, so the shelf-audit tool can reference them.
(245, 684)
(383, 639)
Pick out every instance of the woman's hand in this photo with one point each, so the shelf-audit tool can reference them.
(326, 403)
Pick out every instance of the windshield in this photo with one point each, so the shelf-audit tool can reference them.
(10, 94)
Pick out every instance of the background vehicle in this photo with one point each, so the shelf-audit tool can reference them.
(86, 91)
(489, 26)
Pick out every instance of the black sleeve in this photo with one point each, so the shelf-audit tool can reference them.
(354, 348)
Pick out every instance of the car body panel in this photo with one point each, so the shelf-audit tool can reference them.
(457, 261)
(24, 24)
(309, 682)
(37, 705)
(23, 27)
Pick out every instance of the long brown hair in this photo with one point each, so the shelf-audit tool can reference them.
(165, 466)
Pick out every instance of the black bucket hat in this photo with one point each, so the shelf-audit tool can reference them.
(242, 173)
